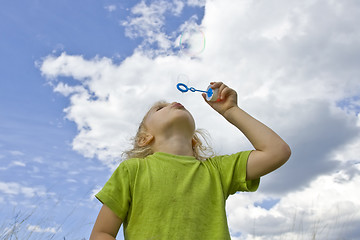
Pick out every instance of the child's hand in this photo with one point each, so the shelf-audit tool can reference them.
(227, 98)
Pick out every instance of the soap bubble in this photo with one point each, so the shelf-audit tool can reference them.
(180, 78)
(192, 41)
(183, 78)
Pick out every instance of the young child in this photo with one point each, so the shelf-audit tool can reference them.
(166, 191)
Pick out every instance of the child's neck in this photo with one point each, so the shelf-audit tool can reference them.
(175, 144)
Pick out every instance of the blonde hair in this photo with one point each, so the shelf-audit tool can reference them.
(201, 151)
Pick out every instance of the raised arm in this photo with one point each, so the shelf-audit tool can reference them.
(106, 226)
(271, 151)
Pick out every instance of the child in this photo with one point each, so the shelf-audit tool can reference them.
(165, 190)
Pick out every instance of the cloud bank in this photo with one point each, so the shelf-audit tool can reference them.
(295, 67)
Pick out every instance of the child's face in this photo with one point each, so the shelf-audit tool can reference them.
(165, 117)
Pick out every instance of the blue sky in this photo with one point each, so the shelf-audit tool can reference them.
(40, 173)
(77, 76)
(36, 155)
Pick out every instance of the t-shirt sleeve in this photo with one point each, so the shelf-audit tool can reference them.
(232, 169)
(116, 192)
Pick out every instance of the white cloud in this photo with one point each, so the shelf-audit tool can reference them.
(327, 208)
(196, 3)
(18, 163)
(110, 8)
(38, 159)
(39, 229)
(147, 23)
(269, 74)
(291, 63)
(16, 153)
(67, 90)
(71, 180)
(94, 192)
(14, 189)
(103, 112)
(177, 7)
(9, 188)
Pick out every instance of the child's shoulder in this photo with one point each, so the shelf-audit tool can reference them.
(242, 156)
(132, 162)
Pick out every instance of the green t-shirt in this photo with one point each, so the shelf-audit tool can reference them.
(165, 196)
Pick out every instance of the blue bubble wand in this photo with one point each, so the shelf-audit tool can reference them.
(211, 94)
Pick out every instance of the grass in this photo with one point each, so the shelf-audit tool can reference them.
(19, 228)
(40, 225)
(49, 217)
(25, 225)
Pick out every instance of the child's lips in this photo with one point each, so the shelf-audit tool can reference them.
(177, 105)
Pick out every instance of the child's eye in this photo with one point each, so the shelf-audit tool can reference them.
(159, 108)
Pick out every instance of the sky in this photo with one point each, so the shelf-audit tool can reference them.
(78, 76)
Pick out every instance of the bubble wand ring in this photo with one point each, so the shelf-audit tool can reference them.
(211, 94)
(183, 88)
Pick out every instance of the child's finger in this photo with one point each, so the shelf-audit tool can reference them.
(223, 91)
(226, 92)
(219, 86)
(204, 96)
(215, 84)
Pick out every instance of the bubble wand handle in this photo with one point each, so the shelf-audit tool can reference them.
(197, 90)
(211, 95)
(183, 88)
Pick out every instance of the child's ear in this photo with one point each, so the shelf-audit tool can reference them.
(193, 142)
(145, 139)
